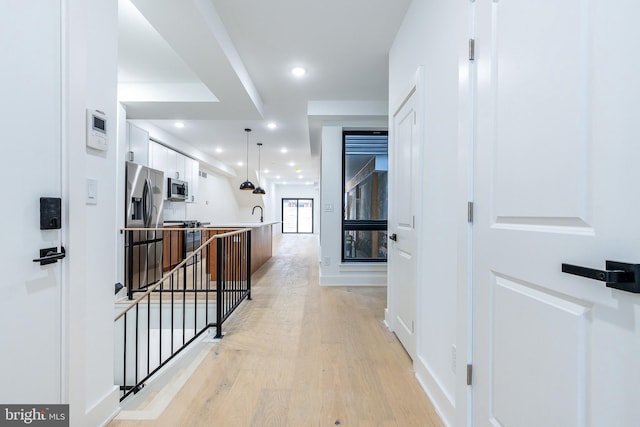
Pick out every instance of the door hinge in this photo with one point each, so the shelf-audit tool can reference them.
(469, 374)
(472, 49)
(470, 212)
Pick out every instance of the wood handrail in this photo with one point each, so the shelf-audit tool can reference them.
(168, 275)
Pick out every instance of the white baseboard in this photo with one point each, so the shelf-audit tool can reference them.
(387, 320)
(102, 412)
(353, 280)
(442, 403)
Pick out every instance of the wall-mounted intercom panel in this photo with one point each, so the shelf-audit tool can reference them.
(50, 213)
(97, 130)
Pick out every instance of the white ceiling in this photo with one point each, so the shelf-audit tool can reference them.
(221, 66)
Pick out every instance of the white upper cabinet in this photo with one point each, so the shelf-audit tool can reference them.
(137, 144)
(158, 159)
(171, 171)
(176, 166)
(158, 156)
(192, 175)
(181, 161)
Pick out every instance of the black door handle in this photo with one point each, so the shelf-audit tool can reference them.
(394, 237)
(50, 256)
(618, 275)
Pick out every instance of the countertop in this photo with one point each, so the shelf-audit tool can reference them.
(239, 224)
(242, 224)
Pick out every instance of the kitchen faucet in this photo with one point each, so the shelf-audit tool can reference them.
(261, 212)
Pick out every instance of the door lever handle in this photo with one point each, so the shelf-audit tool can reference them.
(618, 275)
(394, 237)
(50, 256)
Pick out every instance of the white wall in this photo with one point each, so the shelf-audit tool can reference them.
(90, 69)
(431, 35)
(332, 271)
(216, 200)
(272, 210)
(247, 200)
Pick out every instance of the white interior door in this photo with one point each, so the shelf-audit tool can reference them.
(557, 149)
(30, 80)
(402, 256)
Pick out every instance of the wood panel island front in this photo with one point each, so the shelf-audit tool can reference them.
(261, 242)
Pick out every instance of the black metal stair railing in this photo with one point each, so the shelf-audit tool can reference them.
(199, 293)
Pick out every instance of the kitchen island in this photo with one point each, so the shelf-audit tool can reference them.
(261, 240)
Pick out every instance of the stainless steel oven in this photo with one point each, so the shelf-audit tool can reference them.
(192, 240)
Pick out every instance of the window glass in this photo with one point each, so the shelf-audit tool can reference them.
(297, 215)
(365, 171)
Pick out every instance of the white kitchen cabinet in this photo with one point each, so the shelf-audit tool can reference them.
(180, 167)
(170, 170)
(151, 149)
(192, 174)
(158, 160)
(195, 179)
(158, 156)
(137, 144)
(177, 166)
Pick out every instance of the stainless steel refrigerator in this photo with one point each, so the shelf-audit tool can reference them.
(143, 204)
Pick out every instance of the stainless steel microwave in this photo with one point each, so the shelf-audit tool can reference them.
(177, 190)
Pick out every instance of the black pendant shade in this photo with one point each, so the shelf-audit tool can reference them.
(247, 185)
(258, 189)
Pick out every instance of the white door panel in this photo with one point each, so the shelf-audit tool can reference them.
(402, 259)
(555, 165)
(525, 379)
(30, 311)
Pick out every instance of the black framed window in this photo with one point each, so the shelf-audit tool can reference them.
(297, 215)
(365, 191)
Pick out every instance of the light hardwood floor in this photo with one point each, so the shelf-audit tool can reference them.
(301, 355)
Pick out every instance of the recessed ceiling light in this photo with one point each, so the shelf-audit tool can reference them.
(284, 182)
(266, 171)
(300, 176)
(278, 177)
(272, 125)
(239, 163)
(283, 150)
(291, 164)
(298, 170)
(218, 150)
(298, 71)
(179, 125)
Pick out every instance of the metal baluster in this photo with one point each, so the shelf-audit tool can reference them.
(248, 249)
(148, 333)
(219, 288)
(124, 369)
(136, 349)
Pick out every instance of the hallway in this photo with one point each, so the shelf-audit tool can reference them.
(301, 355)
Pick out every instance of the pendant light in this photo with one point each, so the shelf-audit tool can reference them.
(247, 185)
(259, 190)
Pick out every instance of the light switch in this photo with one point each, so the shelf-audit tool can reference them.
(328, 207)
(92, 191)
